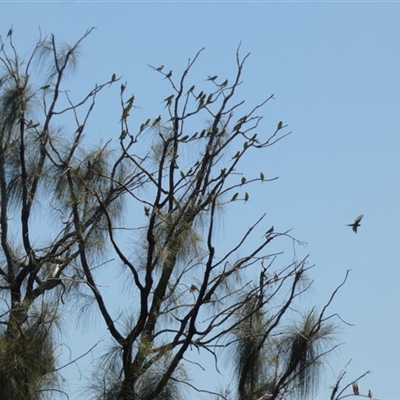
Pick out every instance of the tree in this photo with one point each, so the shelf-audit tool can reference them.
(171, 181)
(45, 170)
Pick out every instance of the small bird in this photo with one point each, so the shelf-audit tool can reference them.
(355, 388)
(369, 394)
(269, 231)
(356, 223)
(193, 288)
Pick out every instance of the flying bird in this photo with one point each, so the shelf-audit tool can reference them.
(356, 223)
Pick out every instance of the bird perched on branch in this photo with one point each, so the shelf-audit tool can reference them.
(355, 388)
(369, 394)
(269, 231)
(356, 223)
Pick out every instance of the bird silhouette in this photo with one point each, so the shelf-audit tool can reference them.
(369, 394)
(355, 388)
(269, 231)
(193, 288)
(356, 223)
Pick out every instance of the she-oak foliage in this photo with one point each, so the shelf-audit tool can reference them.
(63, 204)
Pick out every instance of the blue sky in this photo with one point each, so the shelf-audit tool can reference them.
(334, 68)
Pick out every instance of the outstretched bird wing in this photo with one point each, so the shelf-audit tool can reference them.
(358, 219)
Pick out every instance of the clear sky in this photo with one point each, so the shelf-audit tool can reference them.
(334, 68)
